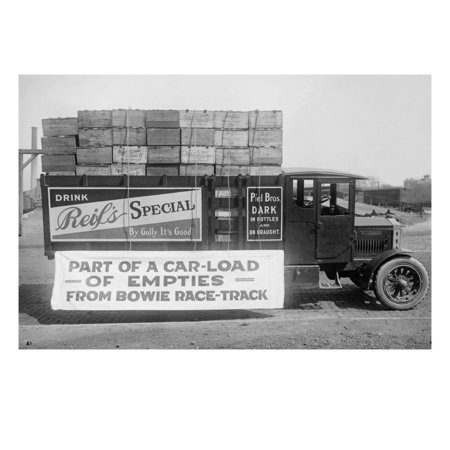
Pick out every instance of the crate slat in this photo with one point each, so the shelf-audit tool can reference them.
(231, 138)
(132, 154)
(129, 136)
(196, 169)
(233, 156)
(196, 119)
(162, 169)
(93, 169)
(61, 126)
(197, 136)
(58, 163)
(199, 155)
(162, 119)
(229, 170)
(266, 156)
(123, 118)
(59, 145)
(265, 170)
(128, 169)
(266, 119)
(98, 155)
(96, 137)
(266, 138)
(95, 119)
(163, 136)
(234, 120)
(163, 154)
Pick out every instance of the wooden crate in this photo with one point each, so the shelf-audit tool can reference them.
(59, 145)
(67, 126)
(96, 137)
(163, 154)
(266, 156)
(223, 225)
(266, 119)
(95, 119)
(163, 169)
(61, 174)
(132, 154)
(123, 118)
(266, 138)
(265, 170)
(93, 170)
(233, 120)
(199, 155)
(129, 169)
(196, 169)
(98, 155)
(233, 156)
(129, 136)
(231, 171)
(224, 213)
(58, 163)
(162, 119)
(163, 136)
(196, 119)
(224, 192)
(231, 138)
(197, 136)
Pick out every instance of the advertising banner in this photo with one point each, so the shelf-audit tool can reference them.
(265, 213)
(169, 280)
(91, 214)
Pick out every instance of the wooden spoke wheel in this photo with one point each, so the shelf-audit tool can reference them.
(401, 283)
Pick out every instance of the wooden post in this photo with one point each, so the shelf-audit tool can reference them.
(20, 193)
(34, 162)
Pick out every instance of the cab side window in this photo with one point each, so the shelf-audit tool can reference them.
(303, 192)
(334, 199)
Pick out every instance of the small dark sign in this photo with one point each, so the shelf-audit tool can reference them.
(264, 213)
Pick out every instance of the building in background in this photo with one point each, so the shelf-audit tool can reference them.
(419, 190)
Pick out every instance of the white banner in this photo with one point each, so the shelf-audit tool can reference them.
(201, 280)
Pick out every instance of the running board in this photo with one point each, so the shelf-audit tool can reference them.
(336, 284)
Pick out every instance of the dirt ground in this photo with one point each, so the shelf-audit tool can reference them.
(344, 318)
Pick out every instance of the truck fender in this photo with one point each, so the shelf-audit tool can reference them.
(378, 261)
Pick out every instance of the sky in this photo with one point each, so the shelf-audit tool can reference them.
(377, 125)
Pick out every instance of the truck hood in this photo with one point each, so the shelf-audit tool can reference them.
(374, 222)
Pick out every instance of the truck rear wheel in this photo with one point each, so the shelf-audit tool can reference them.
(401, 283)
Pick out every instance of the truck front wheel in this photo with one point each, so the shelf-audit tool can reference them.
(401, 283)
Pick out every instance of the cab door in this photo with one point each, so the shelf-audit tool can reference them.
(335, 220)
(300, 227)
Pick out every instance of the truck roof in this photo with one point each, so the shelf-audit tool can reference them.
(320, 173)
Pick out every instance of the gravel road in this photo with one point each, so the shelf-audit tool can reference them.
(346, 318)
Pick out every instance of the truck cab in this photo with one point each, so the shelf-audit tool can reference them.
(324, 233)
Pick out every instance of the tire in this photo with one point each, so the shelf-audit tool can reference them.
(401, 283)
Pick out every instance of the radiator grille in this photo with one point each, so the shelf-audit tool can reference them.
(372, 245)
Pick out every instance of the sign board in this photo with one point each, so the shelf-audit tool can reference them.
(169, 280)
(265, 213)
(91, 214)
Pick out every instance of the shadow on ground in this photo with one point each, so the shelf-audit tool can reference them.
(347, 298)
(34, 300)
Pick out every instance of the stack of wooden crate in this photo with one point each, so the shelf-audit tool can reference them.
(248, 143)
(164, 142)
(59, 145)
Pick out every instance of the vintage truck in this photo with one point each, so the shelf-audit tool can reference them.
(307, 213)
